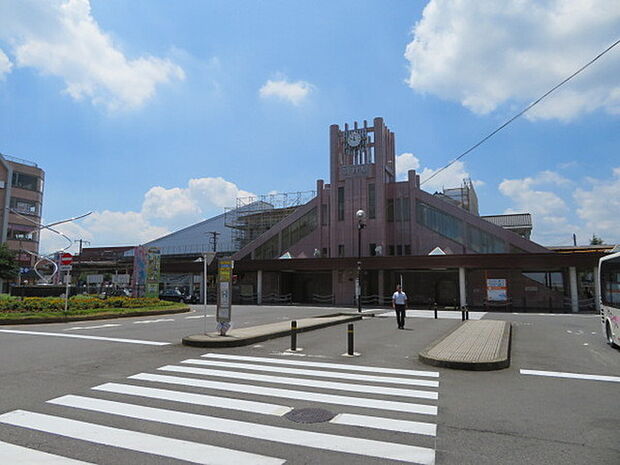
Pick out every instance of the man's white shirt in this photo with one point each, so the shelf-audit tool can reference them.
(399, 298)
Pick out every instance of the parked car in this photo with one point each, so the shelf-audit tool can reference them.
(176, 295)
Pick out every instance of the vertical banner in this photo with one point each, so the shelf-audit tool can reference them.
(146, 271)
(153, 267)
(497, 290)
(224, 293)
(139, 271)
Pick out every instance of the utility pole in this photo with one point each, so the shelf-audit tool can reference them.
(77, 271)
(213, 239)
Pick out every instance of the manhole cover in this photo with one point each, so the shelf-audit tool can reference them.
(310, 415)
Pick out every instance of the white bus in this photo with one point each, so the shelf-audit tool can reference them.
(609, 291)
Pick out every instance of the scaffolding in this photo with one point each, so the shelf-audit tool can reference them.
(464, 196)
(255, 215)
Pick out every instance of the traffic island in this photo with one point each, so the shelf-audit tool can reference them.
(254, 334)
(482, 345)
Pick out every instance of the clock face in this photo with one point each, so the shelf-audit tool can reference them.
(354, 138)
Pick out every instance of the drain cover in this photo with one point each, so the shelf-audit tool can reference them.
(310, 415)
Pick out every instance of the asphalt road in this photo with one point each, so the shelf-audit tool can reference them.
(503, 417)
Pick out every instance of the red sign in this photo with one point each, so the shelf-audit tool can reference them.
(66, 259)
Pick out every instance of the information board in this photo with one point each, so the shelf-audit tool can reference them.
(224, 290)
(497, 290)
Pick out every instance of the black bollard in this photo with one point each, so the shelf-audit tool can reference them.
(350, 339)
(466, 312)
(462, 313)
(293, 336)
(435, 307)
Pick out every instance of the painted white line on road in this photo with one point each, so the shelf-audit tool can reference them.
(81, 336)
(195, 399)
(316, 373)
(364, 388)
(404, 426)
(160, 320)
(291, 394)
(10, 454)
(441, 314)
(331, 442)
(197, 316)
(136, 441)
(74, 328)
(335, 366)
(558, 374)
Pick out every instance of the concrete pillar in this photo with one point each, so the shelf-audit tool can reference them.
(597, 294)
(574, 295)
(380, 289)
(259, 287)
(462, 287)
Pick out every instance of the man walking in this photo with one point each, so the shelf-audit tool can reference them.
(399, 303)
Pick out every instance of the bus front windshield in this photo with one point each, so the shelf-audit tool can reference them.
(610, 282)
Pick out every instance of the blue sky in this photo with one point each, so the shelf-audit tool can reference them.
(156, 114)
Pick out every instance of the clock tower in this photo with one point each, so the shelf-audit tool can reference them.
(362, 166)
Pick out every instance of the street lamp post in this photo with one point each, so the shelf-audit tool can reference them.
(361, 216)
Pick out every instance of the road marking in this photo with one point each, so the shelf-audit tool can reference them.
(74, 328)
(196, 399)
(405, 426)
(11, 454)
(558, 374)
(160, 320)
(291, 394)
(441, 314)
(197, 316)
(81, 336)
(364, 388)
(316, 373)
(337, 366)
(136, 441)
(331, 442)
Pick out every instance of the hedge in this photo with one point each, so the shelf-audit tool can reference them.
(10, 304)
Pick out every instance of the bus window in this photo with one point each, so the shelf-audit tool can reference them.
(610, 282)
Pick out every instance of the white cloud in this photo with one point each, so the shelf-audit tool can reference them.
(485, 53)
(599, 207)
(63, 39)
(5, 65)
(452, 176)
(292, 92)
(163, 211)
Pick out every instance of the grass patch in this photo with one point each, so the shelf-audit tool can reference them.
(90, 312)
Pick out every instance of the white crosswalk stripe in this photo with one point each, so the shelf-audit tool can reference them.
(199, 401)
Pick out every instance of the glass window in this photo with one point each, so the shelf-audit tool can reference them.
(483, 242)
(390, 210)
(25, 181)
(299, 229)
(405, 208)
(407, 249)
(373, 249)
(440, 222)
(341, 250)
(391, 250)
(551, 279)
(324, 214)
(610, 282)
(18, 232)
(399, 250)
(27, 207)
(267, 250)
(340, 203)
(372, 202)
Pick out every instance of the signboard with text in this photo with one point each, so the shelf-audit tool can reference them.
(224, 290)
(497, 290)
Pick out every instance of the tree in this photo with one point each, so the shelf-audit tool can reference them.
(596, 240)
(8, 266)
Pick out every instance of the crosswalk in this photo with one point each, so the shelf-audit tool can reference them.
(195, 410)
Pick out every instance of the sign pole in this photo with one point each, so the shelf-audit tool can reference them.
(204, 261)
(224, 295)
(66, 292)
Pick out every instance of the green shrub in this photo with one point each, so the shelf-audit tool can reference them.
(76, 303)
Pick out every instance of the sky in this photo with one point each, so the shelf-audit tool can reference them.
(155, 114)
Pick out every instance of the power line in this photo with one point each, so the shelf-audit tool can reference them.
(526, 109)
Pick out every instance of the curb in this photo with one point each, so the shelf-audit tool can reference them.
(503, 361)
(229, 341)
(69, 319)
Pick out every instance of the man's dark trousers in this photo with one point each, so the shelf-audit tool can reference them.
(400, 315)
